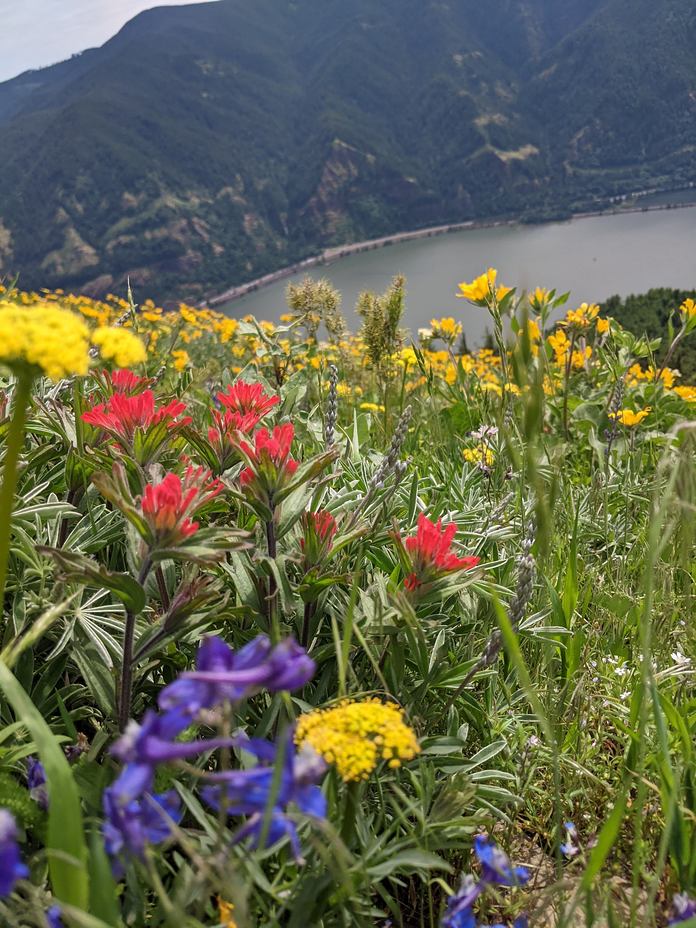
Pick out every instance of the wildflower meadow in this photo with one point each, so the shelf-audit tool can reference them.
(328, 624)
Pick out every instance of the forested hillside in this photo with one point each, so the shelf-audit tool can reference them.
(206, 144)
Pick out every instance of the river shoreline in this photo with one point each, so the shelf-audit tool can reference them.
(342, 251)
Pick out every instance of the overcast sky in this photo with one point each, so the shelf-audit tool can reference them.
(35, 33)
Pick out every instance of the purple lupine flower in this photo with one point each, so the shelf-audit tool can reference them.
(36, 782)
(495, 864)
(519, 922)
(223, 675)
(251, 792)
(53, 917)
(130, 826)
(143, 746)
(11, 867)
(683, 908)
(459, 912)
(570, 848)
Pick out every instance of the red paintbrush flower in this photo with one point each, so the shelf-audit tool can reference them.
(318, 530)
(430, 553)
(245, 398)
(168, 506)
(124, 416)
(222, 435)
(125, 381)
(270, 457)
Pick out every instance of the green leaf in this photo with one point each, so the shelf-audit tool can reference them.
(103, 897)
(408, 861)
(85, 570)
(65, 842)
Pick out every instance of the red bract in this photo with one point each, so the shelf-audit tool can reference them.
(124, 381)
(244, 398)
(123, 416)
(324, 524)
(223, 434)
(270, 456)
(430, 551)
(169, 506)
(318, 530)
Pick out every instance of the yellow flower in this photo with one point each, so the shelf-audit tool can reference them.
(579, 358)
(603, 326)
(356, 735)
(181, 359)
(483, 287)
(629, 418)
(372, 407)
(581, 317)
(688, 308)
(480, 455)
(446, 329)
(686, 393)
(225, 910)
(46, 338)
(119, 345)
(539, 297)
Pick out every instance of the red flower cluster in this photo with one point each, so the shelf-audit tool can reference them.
(270, 461)
(121, 415)
(430, 553)
(125, 381)
(169, 506)
(247, 398)
(318, 529)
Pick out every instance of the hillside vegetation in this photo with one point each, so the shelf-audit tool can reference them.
(213, 143)
(303, 628)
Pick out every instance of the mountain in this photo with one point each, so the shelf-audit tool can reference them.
(207, 144)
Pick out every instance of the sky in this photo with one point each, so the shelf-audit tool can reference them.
(36, 33)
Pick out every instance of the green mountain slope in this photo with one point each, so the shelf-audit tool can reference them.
(205, 145)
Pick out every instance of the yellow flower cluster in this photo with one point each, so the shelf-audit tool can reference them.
(686, 393)
(629, 418)
(480, 455)
(226, 913)
(446, 328)
(119, 345)
(560, 345)
(483, 288)
(582, 317)
(356, 735)
(44, 339)
(688, 309)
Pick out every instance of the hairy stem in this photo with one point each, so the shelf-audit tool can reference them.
(125, 695)
(273, 619)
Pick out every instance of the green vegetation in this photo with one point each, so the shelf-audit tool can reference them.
(206, 145)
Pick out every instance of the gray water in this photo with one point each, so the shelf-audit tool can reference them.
(594, 258)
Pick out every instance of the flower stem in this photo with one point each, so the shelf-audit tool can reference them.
(272, 587)
(13, 447)
(125, 696)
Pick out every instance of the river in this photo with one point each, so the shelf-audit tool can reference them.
(593, 257)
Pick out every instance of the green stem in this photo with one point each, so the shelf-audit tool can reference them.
(125, 696)
(273, 618)
(13, 447)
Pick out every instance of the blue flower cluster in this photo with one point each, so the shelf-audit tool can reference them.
(136, 817)
(495, 869)
(683, 908)
(11, 866)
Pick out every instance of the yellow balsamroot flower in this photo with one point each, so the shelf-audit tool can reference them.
(603, 326)
(686, 393)
(119, 345)
(560, 344)
(372, 407)
(43, 338)
(539, 297)
(688, 309)
(629, 418)
(446, 328)
(356, 735)
(581, 317)
(580, 358)
(481, 455)
(483, 287)
(181, 359)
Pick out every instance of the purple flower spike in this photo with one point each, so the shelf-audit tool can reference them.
(130, 826)
(11, 867)
(36, 782)
(459, 912)
(495, 864)
(251, 793)
(223, 675)
(53, 917)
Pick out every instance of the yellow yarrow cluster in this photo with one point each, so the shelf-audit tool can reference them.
(356, 735)
(483, 287)
(629, 418)
(45, 338)
(119, 345)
